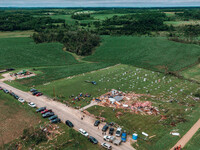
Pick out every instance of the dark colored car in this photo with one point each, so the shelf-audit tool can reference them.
(36, 92)
(15, 96)
(10, 69)
(97, 122)
(105, 128)
(5, 91)
(33, 90)
(111, 131)
(48, 114)
(92, 140)
(57, 120)
(12, 93)
(45, 111)
(53, 117)
(39, 94)
(69, 123)
(40, 109)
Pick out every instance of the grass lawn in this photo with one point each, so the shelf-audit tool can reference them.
(146, 52)
(192, 73)
(23, 52)
(16, 117)
(194, 143)
(181, 23)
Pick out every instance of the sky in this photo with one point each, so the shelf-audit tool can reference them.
(98, 3)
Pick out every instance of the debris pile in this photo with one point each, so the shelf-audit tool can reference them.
(130, 101)
(22, 74)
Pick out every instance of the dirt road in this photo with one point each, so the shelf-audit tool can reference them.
(183, 141)
(67, 113)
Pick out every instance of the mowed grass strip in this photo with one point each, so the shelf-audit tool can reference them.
(23, 52)
(146, 52)
(192, 73)
(194, 143)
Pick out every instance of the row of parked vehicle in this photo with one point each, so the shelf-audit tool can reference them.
(110, 137)
(48, 113)
(21, 100)
(36, 92)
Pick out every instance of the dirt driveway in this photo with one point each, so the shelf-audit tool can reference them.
(67, 113)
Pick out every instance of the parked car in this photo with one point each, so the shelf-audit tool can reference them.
(48, 114)
(34, 93)
(16, 96)
(45, 111)
(69, 123)
(6, 91)
(92, 140)
(118, 132)
(106, 146)
(12, 93)
(105, 128)
(1, 88)
(40, 109)
(97, 122)
(21, 100)
(39, 94)
(53, 117)
(109, 138)
(123, 137)
(10, 69)
(57, 120)
(33, 90)
(83, 132)
(32, 104)
(117, 142)
(111, 131)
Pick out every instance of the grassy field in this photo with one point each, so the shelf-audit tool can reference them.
(10, 34)
(16, 117)
(128, 78)
(67, 18)
(192, 73)
(194, 143)
(181, 23)
(23, 52)
(146, 52)
(49, 74)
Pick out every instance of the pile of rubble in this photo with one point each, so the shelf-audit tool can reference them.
(130, 101)
(22, 74)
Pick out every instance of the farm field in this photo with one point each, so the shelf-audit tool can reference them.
(181, 23)
(192, 73)
(26, 53)
(146, 52)
(127, 79)
(193, 144)
(9, 34)
(16, 117)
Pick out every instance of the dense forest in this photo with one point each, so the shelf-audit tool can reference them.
(81, 16)
(22, 21)
(79, 41)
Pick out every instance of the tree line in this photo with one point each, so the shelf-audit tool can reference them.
(77, 41)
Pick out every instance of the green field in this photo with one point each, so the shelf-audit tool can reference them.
(23, 52)
(67, 18)
(181, 23)
(10, 34)
(146, 52)
(194, 143)
(128, 78)
(192, 73)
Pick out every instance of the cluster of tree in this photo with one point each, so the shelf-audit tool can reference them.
(83, 16)
(78, 41)
(189, 14)
(139, 23)
(186, 34)
(21, 21)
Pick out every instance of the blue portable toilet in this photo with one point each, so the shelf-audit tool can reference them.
(123, 137)
(135, 136)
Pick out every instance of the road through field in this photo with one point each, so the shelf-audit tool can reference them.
(67, 113)
(185, 139)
